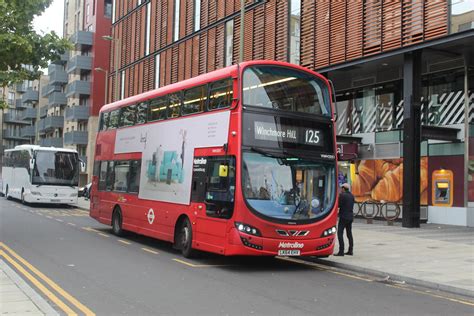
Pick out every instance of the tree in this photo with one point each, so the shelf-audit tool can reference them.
(20, 45)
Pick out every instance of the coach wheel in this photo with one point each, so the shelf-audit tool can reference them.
(186, 239)
(6, 193)
(117, 222)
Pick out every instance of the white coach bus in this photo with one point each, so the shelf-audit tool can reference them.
(35, 174)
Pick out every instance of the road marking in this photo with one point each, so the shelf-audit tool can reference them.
(150, 251)
(72, 224)
(104, 235)
(59, 220)
(50, 283)
(38, 285)
(90, 229)
(47, 216)
(469, 303)
(124, 242)
(189, 264)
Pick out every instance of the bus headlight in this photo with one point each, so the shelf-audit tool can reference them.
(241, 227)
(35, 193)
(329, 232)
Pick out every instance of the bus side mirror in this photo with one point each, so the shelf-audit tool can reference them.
(334, 100)
(83, 165)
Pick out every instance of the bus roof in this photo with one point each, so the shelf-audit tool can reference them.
(218, 74)
(37, 147)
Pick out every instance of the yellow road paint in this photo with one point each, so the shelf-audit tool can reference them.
(40, 286)
(124, 242)
(150, 251)
(50, 282)
(104, 235)
(201, 265)
(90, 229)
(59, 220)
(72, 224)
(469, 303)
(49, 217)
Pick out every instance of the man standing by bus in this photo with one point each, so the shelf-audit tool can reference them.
(346, 216)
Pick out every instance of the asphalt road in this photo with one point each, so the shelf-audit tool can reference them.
(135, 275)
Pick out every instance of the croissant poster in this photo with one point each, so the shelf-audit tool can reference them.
(382, 180)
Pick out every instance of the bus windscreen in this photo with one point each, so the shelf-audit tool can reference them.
(56, 168)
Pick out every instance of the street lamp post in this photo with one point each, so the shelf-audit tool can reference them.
(106, 81)
(117, 56)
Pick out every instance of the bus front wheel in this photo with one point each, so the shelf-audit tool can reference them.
(117, 222)
(185, 239)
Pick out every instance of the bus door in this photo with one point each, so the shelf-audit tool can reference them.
(212, 197)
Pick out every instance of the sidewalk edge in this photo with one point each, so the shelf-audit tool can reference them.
(37, 299)
(397, 277)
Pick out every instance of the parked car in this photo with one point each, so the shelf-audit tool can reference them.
(85, 191)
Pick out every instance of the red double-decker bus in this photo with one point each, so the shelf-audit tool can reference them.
(239, 161)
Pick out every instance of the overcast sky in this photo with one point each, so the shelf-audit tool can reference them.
(51, 19)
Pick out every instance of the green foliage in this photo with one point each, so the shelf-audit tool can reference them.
(20, 45)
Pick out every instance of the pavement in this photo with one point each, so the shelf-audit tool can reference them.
(438, 257)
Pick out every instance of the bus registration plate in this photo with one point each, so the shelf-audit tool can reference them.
(55, 200)
(288, 252)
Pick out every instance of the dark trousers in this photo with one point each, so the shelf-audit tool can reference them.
(344, 224)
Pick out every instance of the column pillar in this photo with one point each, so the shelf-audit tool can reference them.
(411, 138)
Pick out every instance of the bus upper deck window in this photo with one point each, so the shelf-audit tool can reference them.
(141, 112)
(194, 100)
(114, 119)
(128, 116)
(220, 94)
(157, 109)
(105, 121)
(174, 107)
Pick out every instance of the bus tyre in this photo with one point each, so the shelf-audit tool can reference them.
(185, 239)
(117, 222)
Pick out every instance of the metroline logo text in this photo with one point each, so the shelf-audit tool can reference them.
(290, 245)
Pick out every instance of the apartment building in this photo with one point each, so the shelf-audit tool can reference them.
(385, 58)
(76, 90)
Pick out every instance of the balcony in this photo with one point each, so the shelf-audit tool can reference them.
(75, 138)
(19, 104)
(50, 123)
(51, 142)
(82, 38)
(79, 63)
(20, 87)
(63, 58)
(29, 96)
(43, 111)
(28, 131)
(57, 75)
(78, 87)
(77, 113)
(50, 88)
(29, 113)
(14, 118)
(13, 134)
(57, 98)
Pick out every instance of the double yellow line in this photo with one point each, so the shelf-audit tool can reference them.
(39, 280)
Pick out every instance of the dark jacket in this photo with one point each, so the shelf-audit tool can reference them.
(346, 205)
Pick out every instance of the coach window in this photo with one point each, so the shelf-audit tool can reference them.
(174, 107)
(128, 116)
(134, 176)
(194, 100)
(114, 119)
(121, 176)
(141, 113)
(102, 175)
(220, 94)
(109, 181)
(157, 109)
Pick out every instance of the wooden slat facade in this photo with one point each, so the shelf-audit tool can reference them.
(332, 32)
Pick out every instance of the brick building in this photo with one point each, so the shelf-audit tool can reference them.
(386, 59)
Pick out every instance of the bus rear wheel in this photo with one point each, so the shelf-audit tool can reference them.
(117, 222)
(185, 239)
